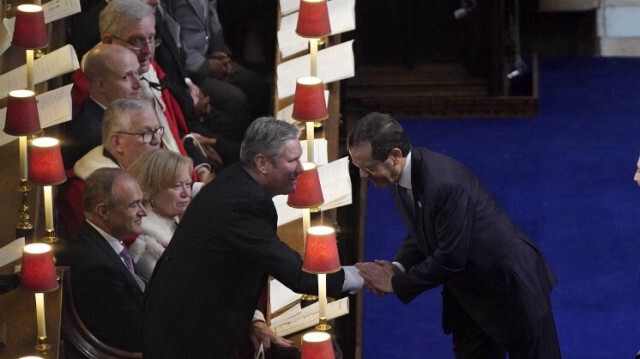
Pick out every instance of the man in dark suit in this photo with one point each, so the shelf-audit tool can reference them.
(207, 60)
(496, 283)
(205, 287)
(112, 73)
(107, 294)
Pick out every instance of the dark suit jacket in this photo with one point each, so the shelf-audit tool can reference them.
(201, 32)
(106, 296)
(462, 238)
(85, 134)
(205, 287)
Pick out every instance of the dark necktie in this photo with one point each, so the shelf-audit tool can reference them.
(126, 256)
(407, 201)
(154, 85)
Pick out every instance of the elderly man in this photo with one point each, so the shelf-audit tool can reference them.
(112, 72)
(107, 293)
(130, 128)
(205, 287)
(131, 23)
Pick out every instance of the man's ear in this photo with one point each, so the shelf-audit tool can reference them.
(107, 39)
(115, 143)
(102, 210)
(98, 84)
(261, 162)
(396, 153)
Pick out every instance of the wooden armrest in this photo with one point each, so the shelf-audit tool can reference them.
(79, 342)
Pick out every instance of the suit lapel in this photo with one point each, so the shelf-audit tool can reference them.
(99, 241)
(201, 8)
(419, 184)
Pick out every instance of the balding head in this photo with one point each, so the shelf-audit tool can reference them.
(112, 72)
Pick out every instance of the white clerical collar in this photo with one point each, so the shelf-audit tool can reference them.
(405, 175)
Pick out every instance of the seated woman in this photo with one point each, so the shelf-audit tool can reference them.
(165, 180)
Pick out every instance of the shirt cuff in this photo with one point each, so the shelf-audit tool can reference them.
(353, 282)
(258, 317)
(400, 266)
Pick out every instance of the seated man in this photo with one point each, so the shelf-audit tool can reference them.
(112, 72)
(107, 293)
(84, 33)
(131, 23)
(91, 113)
(208, 61)
(130, 128)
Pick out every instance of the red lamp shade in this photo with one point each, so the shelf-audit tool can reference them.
(309, 103)
(22, 114)
(38, 270)
(321, 252)
(316, 345)
(30, 31)
(308, 193)
(313, 19)
(45, 162)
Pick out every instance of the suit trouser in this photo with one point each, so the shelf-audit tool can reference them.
(245, 95)
(473, 343)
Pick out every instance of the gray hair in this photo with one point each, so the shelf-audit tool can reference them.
(117, 117)
(266, 136)
(120, 13)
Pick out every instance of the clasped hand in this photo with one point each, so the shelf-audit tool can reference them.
(377, 276)
(219, 65)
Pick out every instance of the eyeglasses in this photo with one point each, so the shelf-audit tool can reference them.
(139, 43)
(148, 135)
(372, 168)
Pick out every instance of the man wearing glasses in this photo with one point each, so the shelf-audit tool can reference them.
(129, 129)
(131, 23)
(495, 280)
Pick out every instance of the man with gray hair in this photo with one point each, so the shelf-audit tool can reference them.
(129, 128)
(131, 23)
(219, 263)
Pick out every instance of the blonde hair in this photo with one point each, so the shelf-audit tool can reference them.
(157, 169)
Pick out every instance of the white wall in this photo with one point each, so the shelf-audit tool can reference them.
(619, 27)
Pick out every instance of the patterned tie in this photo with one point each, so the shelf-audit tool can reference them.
(126, 256)
(407, 201)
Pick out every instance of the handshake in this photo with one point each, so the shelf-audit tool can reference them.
(377, 276)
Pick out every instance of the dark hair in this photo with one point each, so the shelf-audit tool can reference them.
(383, 132)
(98, 187)
(266, 136)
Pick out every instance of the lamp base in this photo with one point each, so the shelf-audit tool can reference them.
(308, 297)
(323, 325)
(50, 238)
(24, 228)
(42, 345)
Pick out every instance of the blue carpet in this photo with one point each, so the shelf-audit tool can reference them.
(565, 177)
